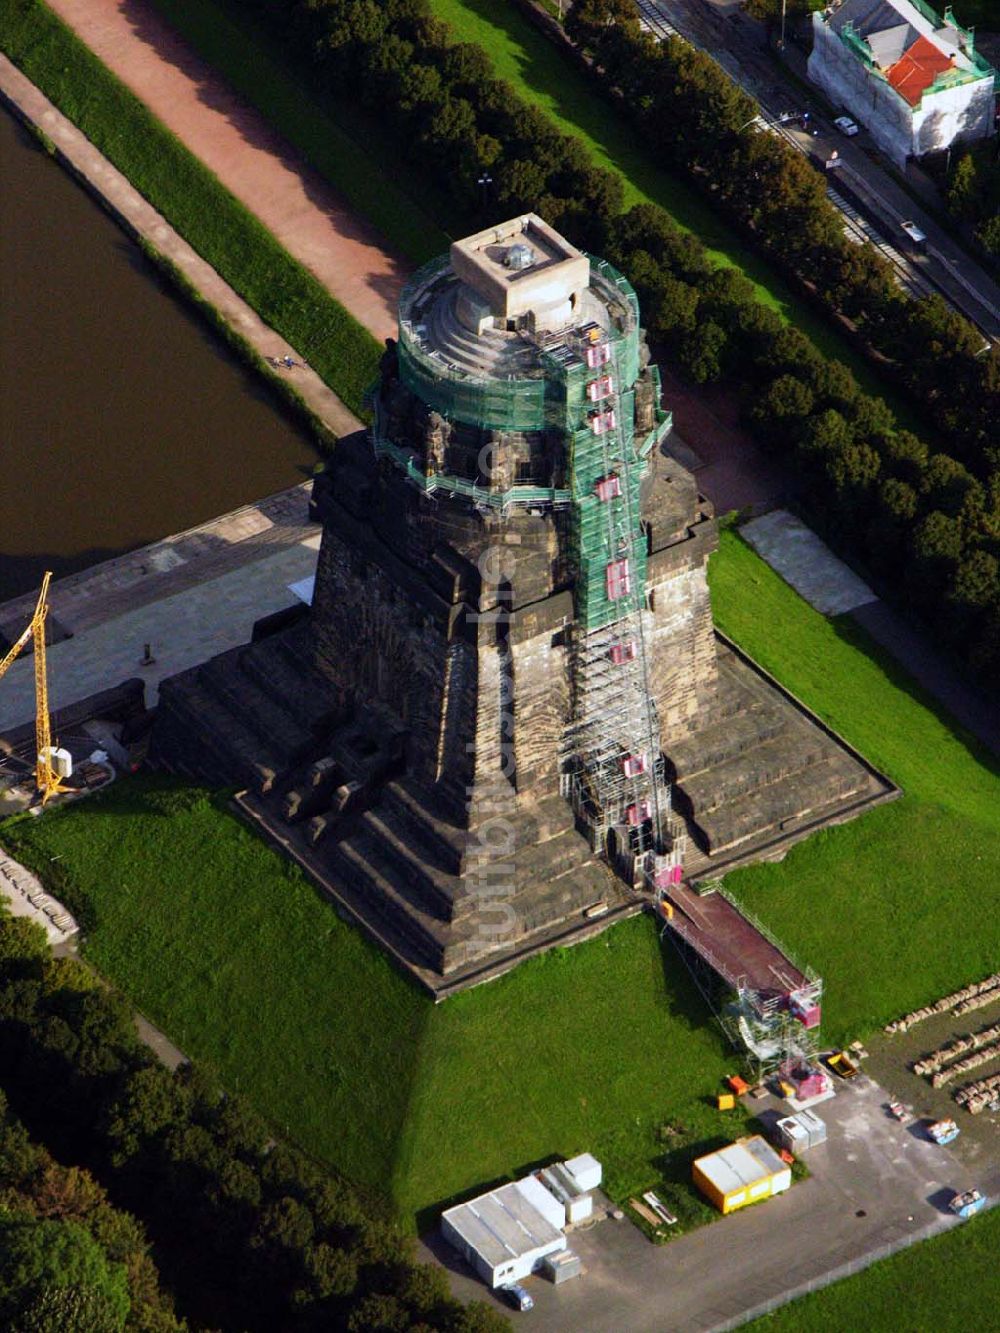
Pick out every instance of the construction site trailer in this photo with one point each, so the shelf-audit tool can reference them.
(502, 1235)
(794, 1136)
(814, 1126)
(802, 1131)
(551, 1208)
(585, 1170)
(741, 1174)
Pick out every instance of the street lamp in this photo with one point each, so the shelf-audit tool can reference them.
(484, 182)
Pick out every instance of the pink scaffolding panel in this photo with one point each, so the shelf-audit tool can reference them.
(609, 488)
(668, 875)
(636, 814)
(633, 765)
(618, 580)
(623, 652)
(598, 355)
(600, 388)
(602, 422)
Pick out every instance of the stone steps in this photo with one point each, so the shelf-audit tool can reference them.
(410, 865)
(356, 859)
(221, 743)
(724, 741)
(751, 771)
(794, 797)
(412, 809)
(281, 668)
(257, 707)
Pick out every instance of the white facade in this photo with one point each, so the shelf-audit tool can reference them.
(858, 75)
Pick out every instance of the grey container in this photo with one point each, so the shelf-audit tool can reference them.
(814, 1127)
(562, 1265)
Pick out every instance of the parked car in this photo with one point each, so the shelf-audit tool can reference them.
(918, 237)
(518, 1296)
(846, 126)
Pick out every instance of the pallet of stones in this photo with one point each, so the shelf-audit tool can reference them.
(976, 996)
(933, 1064)
(976, 1097)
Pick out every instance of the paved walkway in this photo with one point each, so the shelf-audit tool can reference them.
(807, 563)
(141, 219)
(189, 597)
(253, 162)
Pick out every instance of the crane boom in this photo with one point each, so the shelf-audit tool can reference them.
(46, 779)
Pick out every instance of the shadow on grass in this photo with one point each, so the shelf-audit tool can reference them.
(955, 702)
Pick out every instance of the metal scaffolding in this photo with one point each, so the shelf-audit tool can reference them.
(615, 775)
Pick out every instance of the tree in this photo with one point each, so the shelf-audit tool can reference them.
(150, 1103)
(965, 195)
(39, 1256)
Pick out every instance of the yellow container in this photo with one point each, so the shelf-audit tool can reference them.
(726, 1101)
(740, 1174)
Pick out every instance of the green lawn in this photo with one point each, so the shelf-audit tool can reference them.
(226, 234)
(231, 951)
(947, 1285)
(899, 906)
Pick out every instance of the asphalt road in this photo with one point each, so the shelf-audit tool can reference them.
(739, 44)
(874, 1183)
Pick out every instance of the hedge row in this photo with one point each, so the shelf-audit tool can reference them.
(924, 521)
(252, 1235)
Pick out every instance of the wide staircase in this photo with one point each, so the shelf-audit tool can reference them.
(330, 785)
(756, 767)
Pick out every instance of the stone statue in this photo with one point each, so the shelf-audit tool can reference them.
(645, 405)
(437, 433)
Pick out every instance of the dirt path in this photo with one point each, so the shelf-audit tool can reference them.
(253, 162)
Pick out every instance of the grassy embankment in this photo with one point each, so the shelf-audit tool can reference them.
(232, 953)
(223, 232)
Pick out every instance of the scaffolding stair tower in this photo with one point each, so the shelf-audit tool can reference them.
(615, 777)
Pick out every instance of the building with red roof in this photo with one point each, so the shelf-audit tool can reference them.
(914, 80)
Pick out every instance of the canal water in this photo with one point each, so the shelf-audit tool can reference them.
(122, 417)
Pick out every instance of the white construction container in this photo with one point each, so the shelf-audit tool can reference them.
(814, 1127)
(585, 1170)
(546, 1203)
(794, 1135)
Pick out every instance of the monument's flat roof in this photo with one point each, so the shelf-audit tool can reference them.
(557, 269)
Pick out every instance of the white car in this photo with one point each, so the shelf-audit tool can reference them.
(918, 237)
(846, 126)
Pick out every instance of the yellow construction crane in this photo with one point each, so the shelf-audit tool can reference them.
(46, 778)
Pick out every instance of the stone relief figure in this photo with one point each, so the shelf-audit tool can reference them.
(498, 463)
(397, 402)
(645, 405)
(437, 433)
(389, 362)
